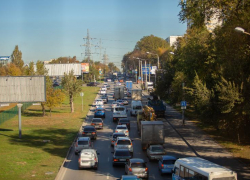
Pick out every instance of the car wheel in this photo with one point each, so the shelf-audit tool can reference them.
(76, 153)
(79, 168)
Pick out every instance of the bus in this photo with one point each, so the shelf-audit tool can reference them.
(195, 168)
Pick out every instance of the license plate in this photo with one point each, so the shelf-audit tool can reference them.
(122, 159)
(88, 133)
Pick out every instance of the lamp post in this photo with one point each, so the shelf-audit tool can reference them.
(241, 30)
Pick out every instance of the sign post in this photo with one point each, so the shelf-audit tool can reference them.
(19, 119)
(82, 94)
(183, 107)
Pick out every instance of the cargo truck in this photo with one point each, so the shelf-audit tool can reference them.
(129, 85)
(118, 93)
(158, 106)
(136, 94)
(152, 133)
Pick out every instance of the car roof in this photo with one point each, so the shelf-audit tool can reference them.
(119, 133)
(88, 150)
(123, 138)
(121, 150)
(123, 125)
(83, 138)
(136, 160)
(88, 126)
(169, 158)
(96, 119)
(100, 108)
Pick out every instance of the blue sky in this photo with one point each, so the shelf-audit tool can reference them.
(47, 29)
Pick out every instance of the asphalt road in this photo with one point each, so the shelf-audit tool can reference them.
(69, 169)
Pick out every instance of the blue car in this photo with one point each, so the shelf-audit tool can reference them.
(99, 112)
(166, 164)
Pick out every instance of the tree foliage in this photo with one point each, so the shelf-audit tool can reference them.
(72, 87)
(16, 58)
(54, 98)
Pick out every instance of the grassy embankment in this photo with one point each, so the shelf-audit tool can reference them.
(31, 157)
(240, 151)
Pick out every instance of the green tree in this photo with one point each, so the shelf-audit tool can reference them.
(30, 71)
(13, 70)
(55, 97)
(72, 87)
(16, 58)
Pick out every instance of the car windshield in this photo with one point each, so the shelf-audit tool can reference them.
(124, 142)
(138, 165)
(122, 153)
(157, 149)
(99, 109)
(82, 142)
(168, 162)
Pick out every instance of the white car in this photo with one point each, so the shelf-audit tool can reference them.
(114, 104)
(99, 103)
(124, 143)
(88, 159)
(102, 92)
(122, 129)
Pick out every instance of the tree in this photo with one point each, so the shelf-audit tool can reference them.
(30, 71)
(54, 98)
(16, 58)
(72, 87)
(13, 70)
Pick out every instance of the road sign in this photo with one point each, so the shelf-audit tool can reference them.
(135, 71)
(183, 103)
(139, 77)
(81, 94)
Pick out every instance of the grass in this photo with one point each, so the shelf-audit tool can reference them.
(31, 157)
(240, 151)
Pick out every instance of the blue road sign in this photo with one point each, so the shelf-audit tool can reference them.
(183, 103)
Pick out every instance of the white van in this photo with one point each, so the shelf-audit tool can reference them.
(135, 106)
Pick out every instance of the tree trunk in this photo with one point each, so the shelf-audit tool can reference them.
(43, 108)
(71, 103)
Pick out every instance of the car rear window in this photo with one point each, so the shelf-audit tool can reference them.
(122, 153)
(89, 129)
(100, 110)
(120, 135)
(124, 121)
(121, 127)
(138, 165)
(157, 149)
(119, 109)
(96, 120)
(82, 142)
(124, 142)
(168, 162)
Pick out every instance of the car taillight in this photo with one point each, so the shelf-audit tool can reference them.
(112, 141)
(116, 144)
(93, 132)
(115, 160)
(95, 160)
(162, 166)
(130, 170)
(126, 131)
(79, 160)
(116, 131)
(83, 132)
(100, 124)
(92, 124)
(146, 169)
(131, 144)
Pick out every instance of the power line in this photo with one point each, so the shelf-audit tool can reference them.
(88, 46)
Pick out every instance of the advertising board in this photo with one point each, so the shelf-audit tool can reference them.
(85, 68)
(60, 69)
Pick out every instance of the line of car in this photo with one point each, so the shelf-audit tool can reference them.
(122, 143)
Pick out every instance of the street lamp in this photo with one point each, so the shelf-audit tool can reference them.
(241, 30)
(158, 65)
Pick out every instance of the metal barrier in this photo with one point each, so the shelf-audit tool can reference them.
(10, 113)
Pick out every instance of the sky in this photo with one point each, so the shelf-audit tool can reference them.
(49, 29)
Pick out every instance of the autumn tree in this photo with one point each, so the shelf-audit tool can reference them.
(72, 87)
(16, 58)
(54, 98)
(30, 71)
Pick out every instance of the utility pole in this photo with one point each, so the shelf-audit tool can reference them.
(88, 46)
(105, 61)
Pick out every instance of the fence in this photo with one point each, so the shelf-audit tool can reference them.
(10, 113)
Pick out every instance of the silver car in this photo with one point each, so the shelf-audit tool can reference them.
(88, 159)
(82, 143)
(138, 167)
(124, 143)
(122, 129)
(155, 152)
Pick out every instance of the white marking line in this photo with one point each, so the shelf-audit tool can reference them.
(108, 176)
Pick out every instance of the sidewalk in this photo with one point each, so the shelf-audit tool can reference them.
(200, 144)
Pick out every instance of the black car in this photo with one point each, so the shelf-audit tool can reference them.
(125, 121)
(121, 156)
(92, 84)
(89, 131)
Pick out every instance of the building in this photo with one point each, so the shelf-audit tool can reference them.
(4, 60)
(214, 20)
(172, 39)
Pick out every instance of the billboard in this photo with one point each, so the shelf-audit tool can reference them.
(60, 69)
(18, 89)
(85, 68)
